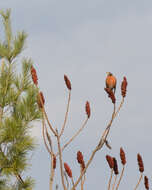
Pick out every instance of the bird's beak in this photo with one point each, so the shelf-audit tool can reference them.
(107, 73)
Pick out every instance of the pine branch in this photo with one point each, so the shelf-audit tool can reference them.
(7, 27)
(18, 108)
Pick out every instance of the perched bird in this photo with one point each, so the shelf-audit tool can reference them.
(111, 82)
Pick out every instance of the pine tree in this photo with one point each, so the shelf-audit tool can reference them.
(18, 110)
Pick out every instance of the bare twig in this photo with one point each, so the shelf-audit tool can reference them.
(120, 106)
(49, 139)
(45, 114)
(66, 178)
(72, 181)
(115, 113)
(109, 183)
(82, 182)
(43, 133)
(122, 172)
(66, 114)
(140, 178)
(48, 121)
(107, 144)
(61, 163)
(74, 136)
(115, 179)
(50, 151)
(52, 174)
(107, 130)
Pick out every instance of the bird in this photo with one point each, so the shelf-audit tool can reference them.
(111, 82)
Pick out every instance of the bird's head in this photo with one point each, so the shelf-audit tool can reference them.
(109, 73)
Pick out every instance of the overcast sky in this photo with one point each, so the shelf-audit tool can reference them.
(84, 39)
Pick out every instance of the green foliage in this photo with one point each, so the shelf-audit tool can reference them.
(11, 46)
(27, 185)
(18, 108)
(18, 43)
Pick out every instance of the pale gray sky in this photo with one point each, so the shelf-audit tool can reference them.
(85, 39)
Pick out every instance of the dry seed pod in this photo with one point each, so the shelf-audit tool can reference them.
(110, 95)
(67, 82)
(146, 182)
(68, 170)
(88, 110)
(40, 100)
(110, 161)
(140, 163)
(80, 159)
(115, 168)
(122, 156)
(34, 75)
(124, 87)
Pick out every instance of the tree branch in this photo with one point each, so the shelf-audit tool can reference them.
(61, 163)
(66, 114)
(74, 136)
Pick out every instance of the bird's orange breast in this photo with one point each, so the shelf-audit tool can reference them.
(110, 82)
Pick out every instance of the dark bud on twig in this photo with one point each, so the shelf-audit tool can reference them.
(107, 144)
(115, 168)
(34, 75)
(88, 110)
(146, 182)
(67, 82)
(56, 187)
(80, 159)
(140, 163)
(110, 161)
(110, 95)
(122, 156)
(68, 170)
(40, 100)
(54, 161)
(124, 87)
